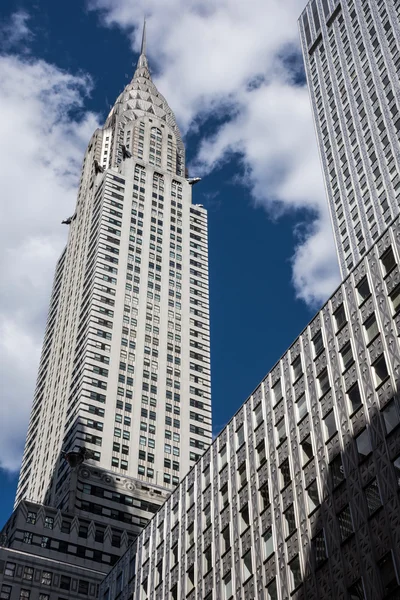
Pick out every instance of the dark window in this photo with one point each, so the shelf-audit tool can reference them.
(363, 290)
(318, 343)
(391, 416)
(354, 397)
(340, 317)
(65, 582)
(388, 574)
(345, 523)
(319, 548)
(285, 473)
(363, 442)
(388, 260)
(380, 370)
(356, 591)
(372, 496)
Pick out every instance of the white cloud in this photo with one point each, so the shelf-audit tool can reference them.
(41, 155)
(15, 31)
(231, 59)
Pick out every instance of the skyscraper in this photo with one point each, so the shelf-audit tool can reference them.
(124, 371)
(352, 57)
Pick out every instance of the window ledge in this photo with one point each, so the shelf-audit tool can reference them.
(382, 382)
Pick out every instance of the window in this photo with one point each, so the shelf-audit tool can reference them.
(261, 454)
(244, 518)
(395, 299)
(318, 343)
(83, 587)
(240, 435)
(363, 291)
(31, 518)
(329, 425)
(323, 382)
(289, 521)
(27, 537)
(207, 516)
(247, 565)
(65, 582)
(306, 450)
(301, 406)
(347, 356)
(277, 391)
(280, 431)
(226, 539)
(295, 573)
(340, 317)
(356, 591)
(190, 579)
(227, 586)
(371, 328)
(242, 475)
(297, 368)
(312, 496)
(388, 261)
(224, 495)
(272, 591)
(207, 559)
(284, 470)
(380, 370)
(268, 540)
(388, 574)
(47, 577)
(372, 496)
(345, 523)
(319, 548)
(49, 522)
(336, 471)
(363, 443)
(24, 595)
(258, 415)
(28, 573)
(206, 475)
(391, 416)
(10, 569)
(190, 534)
(264, 493)
(5, 593)
(222, 457)
(354, 398)
(44, 597)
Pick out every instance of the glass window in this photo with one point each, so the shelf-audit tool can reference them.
(388, 574)
(240, 435)
(340, 317)
(388, 261)
(222, 457)
(347, 356)
(224, 496)
(356, 591)
(323, 381)
(336, 471)
(318, 343)
(345, 523)
(319, 548)
(391, 416)
(207, 559)
(297, 368)
(264, 493)
(329, 424)
(284, 470)
(247, 565)
(354, 398)
(47, 577)
(312, 496)
(227, 582)
(363, 442)
(31, 518)
(242, 475)
(244, 518)
(363, 290)
(280, 431)
(261, 454)
(289, 521)
(10, 569)
(306, 450)
(372, 496)
(226, 539)
(24, 594)
(371, 328)
(301, 406)
(395, 299)
(5, 593)
(295, 573)
(268, 540)
(380, 370)
(258, 415)
(277, 391)
(28, 573)
(272, 591)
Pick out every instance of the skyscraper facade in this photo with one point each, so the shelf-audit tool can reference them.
(352, 57)
(299, 495)
(125, 369)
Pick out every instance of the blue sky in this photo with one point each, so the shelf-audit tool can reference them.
(236, 84)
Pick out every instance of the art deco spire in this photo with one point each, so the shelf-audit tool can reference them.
(142, 69)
